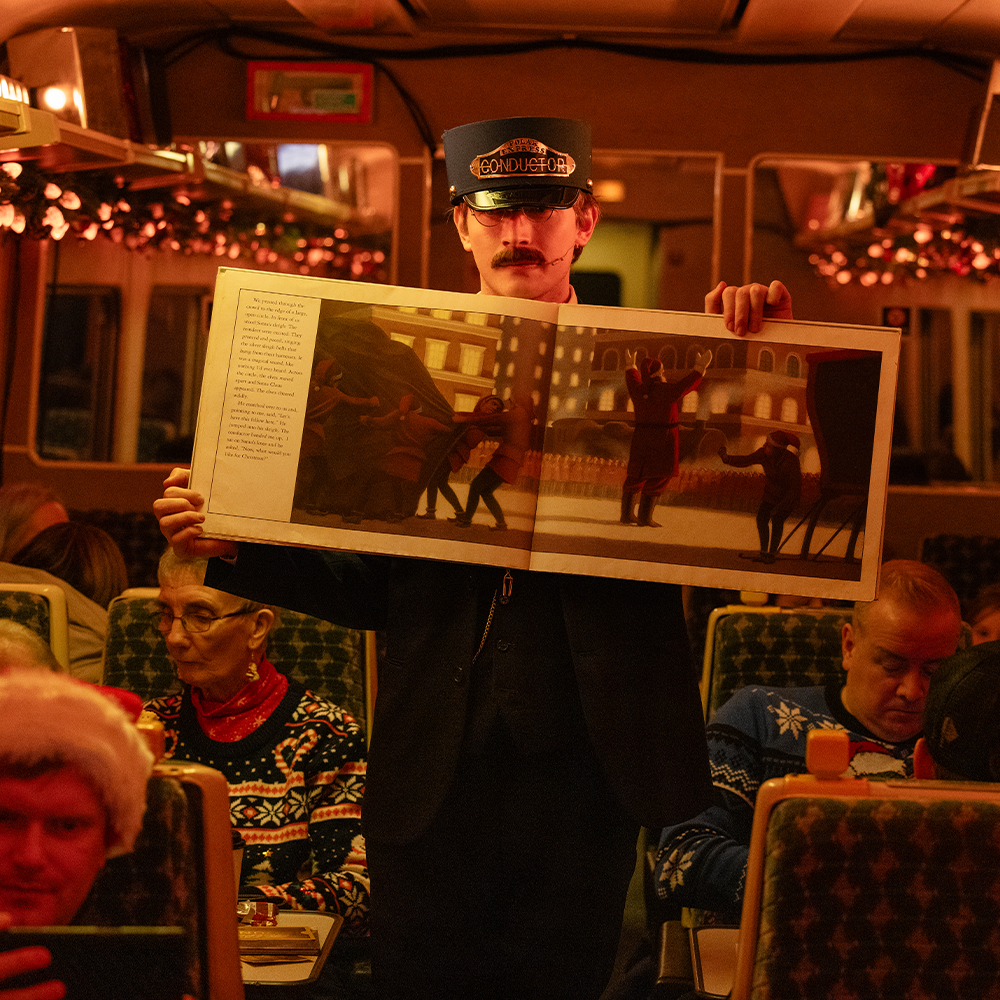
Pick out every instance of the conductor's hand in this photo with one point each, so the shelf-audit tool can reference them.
(180, 517)
(723, 453)
(629, 359)
(702, 361)
(745, 307)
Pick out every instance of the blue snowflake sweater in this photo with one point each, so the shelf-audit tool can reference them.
(760, 733)
(295, 790)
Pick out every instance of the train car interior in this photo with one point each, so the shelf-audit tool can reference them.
(849, 148)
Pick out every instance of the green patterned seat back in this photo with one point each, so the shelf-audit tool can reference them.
(796, 648)
(31, 610)
(135, 654)
(328, 659)
(880, 899)
(159, 883)
(968, 562)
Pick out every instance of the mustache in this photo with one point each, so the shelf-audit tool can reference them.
(510, 256)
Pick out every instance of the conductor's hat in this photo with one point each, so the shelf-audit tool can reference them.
(518, 162)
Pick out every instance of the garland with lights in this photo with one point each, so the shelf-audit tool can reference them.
(95, 204)
(900, 248)
(971, 250)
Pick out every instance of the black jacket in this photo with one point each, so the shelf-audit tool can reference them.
(574, 658)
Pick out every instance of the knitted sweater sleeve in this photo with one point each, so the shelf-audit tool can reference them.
(336, 879)
(702, 862)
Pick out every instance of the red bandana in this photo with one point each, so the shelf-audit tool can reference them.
(246, 711)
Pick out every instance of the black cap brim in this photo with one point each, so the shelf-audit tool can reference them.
(525, 197)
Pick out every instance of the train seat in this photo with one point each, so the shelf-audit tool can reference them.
(180, 874)
(870, 888)
(42, 608)
(776, 647)
(968, 562)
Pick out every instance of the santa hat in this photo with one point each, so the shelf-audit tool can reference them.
(783, 439)
(55, 717)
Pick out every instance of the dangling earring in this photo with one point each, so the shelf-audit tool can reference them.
(252, 674)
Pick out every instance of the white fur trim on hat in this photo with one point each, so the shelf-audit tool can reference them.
(49, 716)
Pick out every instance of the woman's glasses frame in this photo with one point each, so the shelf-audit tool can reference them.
(191, 621)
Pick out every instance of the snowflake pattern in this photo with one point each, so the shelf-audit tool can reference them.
(674, 866)
(790, 719)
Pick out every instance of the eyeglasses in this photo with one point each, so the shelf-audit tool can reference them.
(494, 216)
(191, 621)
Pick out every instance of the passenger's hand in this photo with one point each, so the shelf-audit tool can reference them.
(745, 307)
(13, 963)
(180, 517)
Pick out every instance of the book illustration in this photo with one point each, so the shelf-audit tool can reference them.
(566, 438)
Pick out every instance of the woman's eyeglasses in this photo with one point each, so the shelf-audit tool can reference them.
(191, 621)
(494, 216)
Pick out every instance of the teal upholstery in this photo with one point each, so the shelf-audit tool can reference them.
(135, 655)
(967, 562)
(775, 647)
(328, 659)
(880, 899)
(31, 610)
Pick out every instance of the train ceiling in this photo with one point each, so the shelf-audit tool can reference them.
(963, 28)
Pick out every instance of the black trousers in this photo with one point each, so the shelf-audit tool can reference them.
(515, 891)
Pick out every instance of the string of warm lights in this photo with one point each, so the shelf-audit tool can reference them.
(902, 246)
(885, 257)
(96, 204)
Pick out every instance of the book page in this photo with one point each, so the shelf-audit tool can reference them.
(261, 423)
(571, 439)
(334, 413)
(826, 390)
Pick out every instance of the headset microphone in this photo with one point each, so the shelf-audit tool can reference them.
(564, 256)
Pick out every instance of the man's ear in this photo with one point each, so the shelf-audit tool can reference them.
(847, 643)
(586, 223)
(460, 215)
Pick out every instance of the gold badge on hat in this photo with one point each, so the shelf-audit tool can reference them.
(523, 158)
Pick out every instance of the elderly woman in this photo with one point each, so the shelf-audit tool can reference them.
(295, 763)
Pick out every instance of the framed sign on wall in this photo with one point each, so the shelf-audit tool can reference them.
(324, 92)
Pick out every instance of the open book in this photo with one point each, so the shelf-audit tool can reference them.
(361, 417)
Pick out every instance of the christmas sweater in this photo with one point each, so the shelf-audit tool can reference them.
(295, 790)
(759, 734)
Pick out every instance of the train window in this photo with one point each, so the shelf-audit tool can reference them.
(79, 406)
(76, 389)
(985, 330)
(176, 340)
